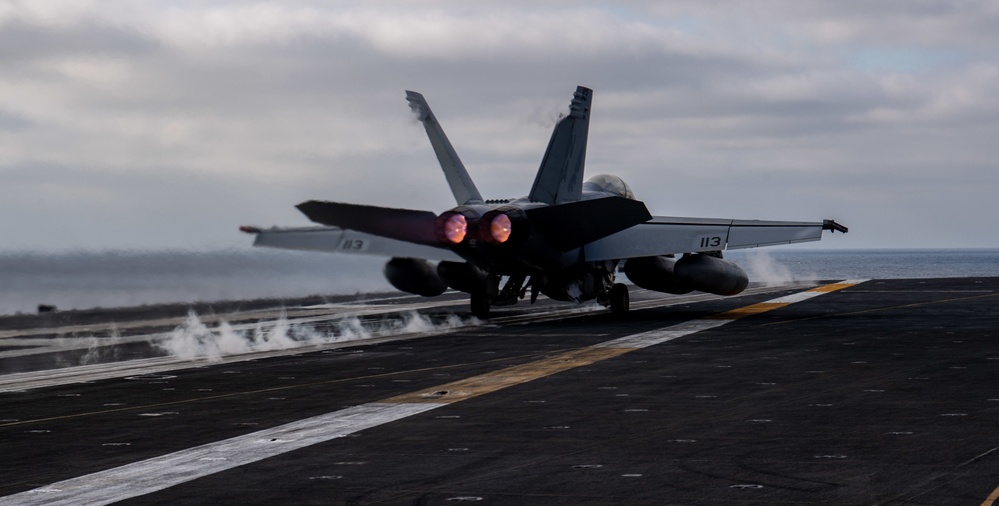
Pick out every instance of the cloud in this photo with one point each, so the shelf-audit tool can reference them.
(773, 109)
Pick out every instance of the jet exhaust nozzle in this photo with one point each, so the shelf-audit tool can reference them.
(506, 225)
(451, 228)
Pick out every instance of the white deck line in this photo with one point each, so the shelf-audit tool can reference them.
(159, 473)
(19, 382)
(659, 336)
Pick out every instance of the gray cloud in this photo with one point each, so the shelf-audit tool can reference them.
(169, 124)
(26, 41)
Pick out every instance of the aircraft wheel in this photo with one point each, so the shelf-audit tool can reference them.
(480, 305)
(619, 299)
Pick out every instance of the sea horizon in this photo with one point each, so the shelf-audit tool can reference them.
(84, 279)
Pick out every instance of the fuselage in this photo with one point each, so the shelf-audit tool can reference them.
(500, 238)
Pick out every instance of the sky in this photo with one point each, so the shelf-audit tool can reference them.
(166, 125)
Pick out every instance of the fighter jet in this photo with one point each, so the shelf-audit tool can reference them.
(567, 239)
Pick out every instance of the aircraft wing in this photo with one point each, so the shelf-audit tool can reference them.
(663, 235)
(338, 240)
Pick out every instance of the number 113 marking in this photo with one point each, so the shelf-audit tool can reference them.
(711, 241)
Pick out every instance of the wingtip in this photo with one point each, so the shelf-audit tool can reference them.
(834, 227)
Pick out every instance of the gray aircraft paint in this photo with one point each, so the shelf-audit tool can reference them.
(565, 239)
(560, 178)
(461, 184)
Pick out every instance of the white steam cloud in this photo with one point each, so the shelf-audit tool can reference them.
(103, 350)
(762, 267)
(195, 340)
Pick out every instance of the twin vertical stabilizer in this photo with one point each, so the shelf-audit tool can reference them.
(461, 184)
(560, 177)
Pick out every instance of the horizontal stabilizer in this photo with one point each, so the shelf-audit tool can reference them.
(574, 224)
(351, 242)
(402, 224)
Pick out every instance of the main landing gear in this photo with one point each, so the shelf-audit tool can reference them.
(620, 302)
(617, 299)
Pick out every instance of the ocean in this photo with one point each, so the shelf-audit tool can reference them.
(81, 280)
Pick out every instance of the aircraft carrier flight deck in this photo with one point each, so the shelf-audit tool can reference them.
(837, 392)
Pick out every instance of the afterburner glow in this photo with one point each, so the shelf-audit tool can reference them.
(500, 228)
(455, 228)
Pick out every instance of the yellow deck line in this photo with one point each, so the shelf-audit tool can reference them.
(991, 499)
(475, 386)
(158, 473)
(750, 310)
(831, 287)
(497, 380)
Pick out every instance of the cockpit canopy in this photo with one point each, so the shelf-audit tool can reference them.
(609, 184)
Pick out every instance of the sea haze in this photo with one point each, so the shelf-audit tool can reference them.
(779, 264)
(81, 280)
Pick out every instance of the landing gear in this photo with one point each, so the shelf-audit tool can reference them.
(480, 305)
(619, 299)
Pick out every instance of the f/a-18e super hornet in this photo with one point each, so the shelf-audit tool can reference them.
(566, 239)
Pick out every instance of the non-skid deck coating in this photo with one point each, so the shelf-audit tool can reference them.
(884, 392)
